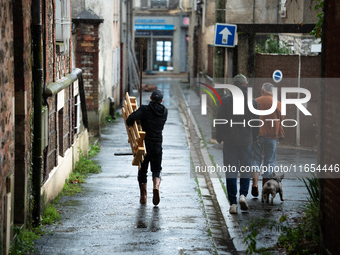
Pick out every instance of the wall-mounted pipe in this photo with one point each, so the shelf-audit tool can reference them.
(45, 151)
(37, 74)
(298, 128)
(277, 13)
(181, 5)
(253, 11)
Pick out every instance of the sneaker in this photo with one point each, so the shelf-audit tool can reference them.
(233, 209)
(254, 191)
(243, 203)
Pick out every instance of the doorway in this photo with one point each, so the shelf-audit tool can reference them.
(144, 43)
(162, 57)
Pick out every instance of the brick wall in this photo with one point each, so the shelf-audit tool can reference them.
(58, 65)
(265, 65)
(87, 54)
(23, 107)
(7, 107)
(329, 147)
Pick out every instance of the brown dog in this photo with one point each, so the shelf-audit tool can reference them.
(272, 187)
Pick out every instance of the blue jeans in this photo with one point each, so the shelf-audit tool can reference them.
(239, 158)
(269, 147)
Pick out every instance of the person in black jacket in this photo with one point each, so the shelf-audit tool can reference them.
(237, 137)
(152, 117)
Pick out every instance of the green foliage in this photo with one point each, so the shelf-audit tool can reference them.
(312, 185)
(83, 168)
(94, 150)
(71, 188)
(273, 45)
(317, 31)
(51, 215)
(85, 165)
(118, 115)
(24, 241)
(109, 119)
(252, 230)
(303, 239)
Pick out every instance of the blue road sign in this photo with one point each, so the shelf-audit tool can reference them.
(225, 35)
(277, 76)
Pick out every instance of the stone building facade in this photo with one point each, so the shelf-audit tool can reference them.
(63, 132)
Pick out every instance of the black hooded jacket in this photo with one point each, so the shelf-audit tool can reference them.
(238, 134)
(153, 117)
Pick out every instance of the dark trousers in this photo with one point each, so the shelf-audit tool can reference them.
(154, 157)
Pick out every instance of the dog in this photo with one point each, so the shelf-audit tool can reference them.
(272, 187)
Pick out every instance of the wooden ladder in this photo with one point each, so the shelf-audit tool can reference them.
(135, 133)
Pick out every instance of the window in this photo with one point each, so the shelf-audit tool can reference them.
(159, 4)
(144, 3)
(62, 24)
(154, 4)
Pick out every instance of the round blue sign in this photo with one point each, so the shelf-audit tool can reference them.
(277, 76)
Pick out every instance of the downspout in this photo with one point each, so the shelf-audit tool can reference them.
(298, 128)
(254, 11)
(181, 5)
(121, 53)
(44, 91)
(277, 13)
(127, 46)
(37, 104)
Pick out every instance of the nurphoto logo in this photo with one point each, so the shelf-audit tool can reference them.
(238, 104)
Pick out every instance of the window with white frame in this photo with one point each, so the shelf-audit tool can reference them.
(62, 25)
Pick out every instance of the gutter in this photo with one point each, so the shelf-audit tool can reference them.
(55, 87)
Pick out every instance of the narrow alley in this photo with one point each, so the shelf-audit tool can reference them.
(107, 217)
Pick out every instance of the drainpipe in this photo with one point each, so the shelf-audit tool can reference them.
(37, 104)
(127, 46)
(181, 5)
(254, 11)
(122, 79)
(298, 128)
(277, 13)
(45, 152)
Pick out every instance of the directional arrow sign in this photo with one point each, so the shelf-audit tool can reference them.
(225, 35)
